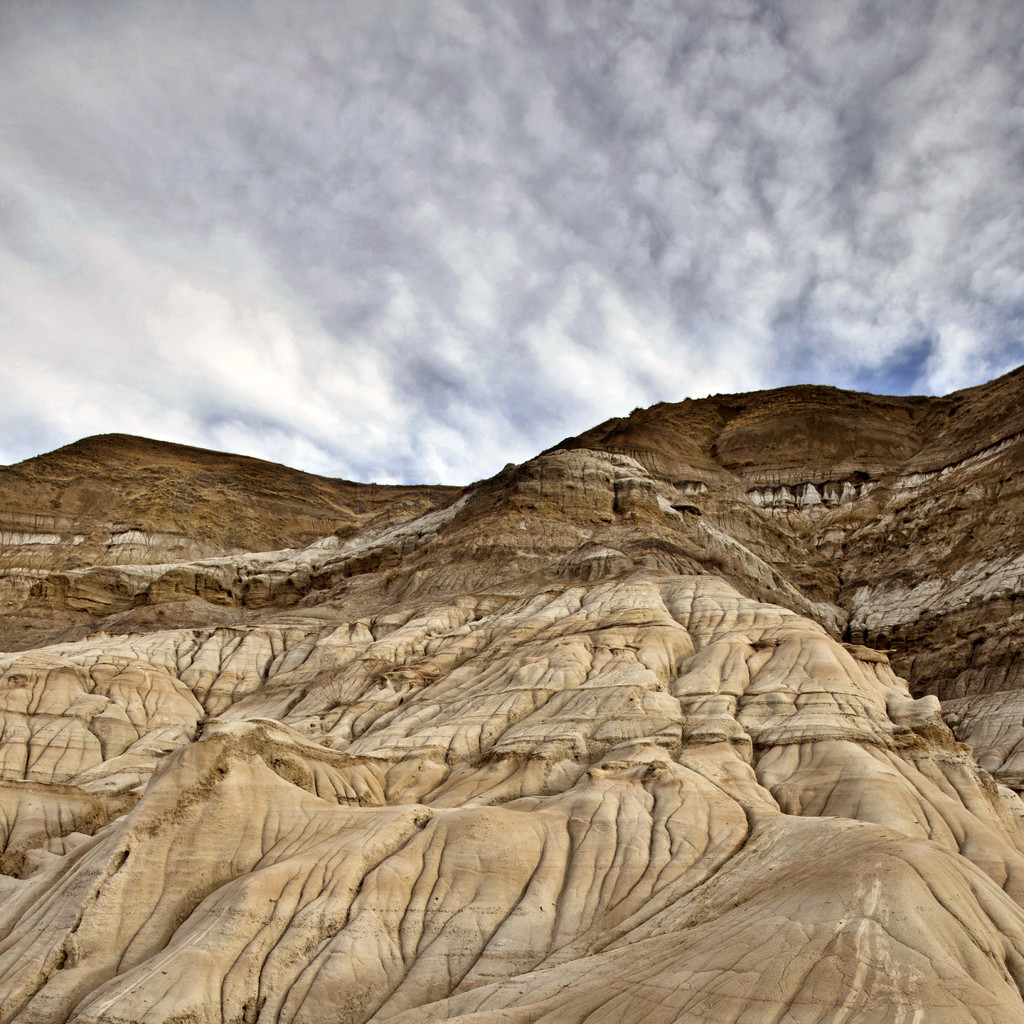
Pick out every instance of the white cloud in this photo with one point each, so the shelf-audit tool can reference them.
(401, 238)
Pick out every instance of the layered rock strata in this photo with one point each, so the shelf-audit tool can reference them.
(613, 736)
(902, 512)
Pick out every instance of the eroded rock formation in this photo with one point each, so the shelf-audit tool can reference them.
(611, 737)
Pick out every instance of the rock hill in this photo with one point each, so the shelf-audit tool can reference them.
(711, 713)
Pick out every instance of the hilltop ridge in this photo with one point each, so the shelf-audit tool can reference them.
(114, 498)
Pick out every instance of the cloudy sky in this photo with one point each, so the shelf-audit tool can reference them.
(405, 240)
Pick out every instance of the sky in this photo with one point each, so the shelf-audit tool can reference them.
(412, 241)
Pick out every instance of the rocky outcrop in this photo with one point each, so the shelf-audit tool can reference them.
(468, 809)
(809, 496)
(902, 512)
(617, 735)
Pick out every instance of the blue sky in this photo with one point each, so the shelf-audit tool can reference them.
(399, 240)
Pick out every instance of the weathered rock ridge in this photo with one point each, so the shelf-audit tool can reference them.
(613, 736)
(903, 512)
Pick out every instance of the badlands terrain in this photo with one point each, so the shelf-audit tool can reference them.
(712, 713)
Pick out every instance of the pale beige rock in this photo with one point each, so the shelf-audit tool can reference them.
(36, 819)
(579, 743)
(600, 782)
(993, 726)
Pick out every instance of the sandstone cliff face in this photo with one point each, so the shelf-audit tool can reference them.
(609, 737)
(903, 512)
